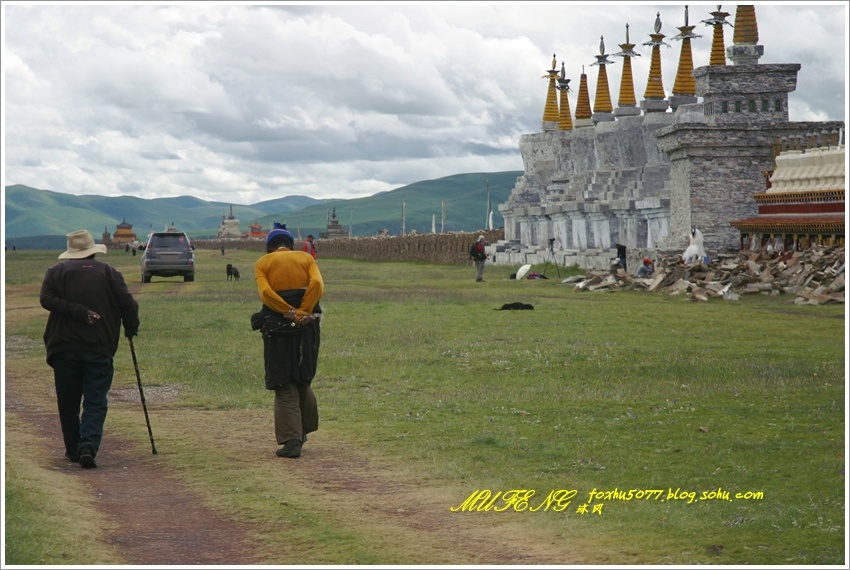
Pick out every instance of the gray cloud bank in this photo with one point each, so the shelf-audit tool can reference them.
(241, 103)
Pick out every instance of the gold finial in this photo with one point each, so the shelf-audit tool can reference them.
(654, 85)
(627, 90)
(602, 103)
(583, 110)
(565, 121)
(601, 45)
(718, 49)
(550, 110)
(746, 27)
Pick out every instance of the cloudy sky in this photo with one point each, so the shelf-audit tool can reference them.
(242, 103)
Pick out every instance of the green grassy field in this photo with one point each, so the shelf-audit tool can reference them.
(712, 432)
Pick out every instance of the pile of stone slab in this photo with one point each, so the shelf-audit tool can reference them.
(814, 276)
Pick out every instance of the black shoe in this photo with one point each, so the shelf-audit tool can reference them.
(87, 458)
(479, 280)
(72, 458)
(291, 448)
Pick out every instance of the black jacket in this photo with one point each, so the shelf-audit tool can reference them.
(72, 288)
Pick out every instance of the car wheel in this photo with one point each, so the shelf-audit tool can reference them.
(188, 278)
(146, 278)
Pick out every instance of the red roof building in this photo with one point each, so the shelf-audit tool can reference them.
(803, 204)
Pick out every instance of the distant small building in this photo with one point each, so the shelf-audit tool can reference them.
(229, 227)
(255, 231)
(335, 229)
(106, 237)
(804, 201)
(124, 234)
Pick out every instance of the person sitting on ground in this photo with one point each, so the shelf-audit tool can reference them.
(646, 269)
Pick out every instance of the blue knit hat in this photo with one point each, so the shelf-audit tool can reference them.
(278, 229)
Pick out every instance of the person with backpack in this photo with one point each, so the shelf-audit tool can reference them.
(479, 256)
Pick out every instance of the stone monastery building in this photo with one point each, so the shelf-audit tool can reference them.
(643, 174)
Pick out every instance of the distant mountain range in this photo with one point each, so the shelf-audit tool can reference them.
(40, 218)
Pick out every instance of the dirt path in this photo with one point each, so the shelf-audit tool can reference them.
(157, 520)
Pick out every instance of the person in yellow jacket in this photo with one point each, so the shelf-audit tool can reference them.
(290, 286)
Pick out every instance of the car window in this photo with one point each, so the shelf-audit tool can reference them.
(169, 242)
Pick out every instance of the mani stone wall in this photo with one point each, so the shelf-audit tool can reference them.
(645, 181)
(720, 149)
(589, 189)
(448, 249)
(717, 169)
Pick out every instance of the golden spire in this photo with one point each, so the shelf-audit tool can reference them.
(550, 112)
(718, 47)
(627, 84)
(565, 121)
(583, 105)
(744, 50)
(746, 28)
(602, 103)
(654, 84)
(603, 94)
(685, 83)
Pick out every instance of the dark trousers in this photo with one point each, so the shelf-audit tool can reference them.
(295, 412)
(82, 376)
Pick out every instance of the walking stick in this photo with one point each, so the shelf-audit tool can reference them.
(141, 392)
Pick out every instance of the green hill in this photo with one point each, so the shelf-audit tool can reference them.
(31, 212)
(35, 216)
(465, 197)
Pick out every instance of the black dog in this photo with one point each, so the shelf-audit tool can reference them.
(232, 272)
(516, 307)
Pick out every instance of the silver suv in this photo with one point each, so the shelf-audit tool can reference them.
(168, 254)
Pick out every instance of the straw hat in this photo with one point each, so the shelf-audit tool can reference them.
(81, 245)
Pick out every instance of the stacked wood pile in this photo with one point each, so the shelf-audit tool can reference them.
(814, 276)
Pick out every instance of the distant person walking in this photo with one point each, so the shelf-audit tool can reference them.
(479, 256)
(621, 255)
(290, 286)
(88, 302)
(310, 246)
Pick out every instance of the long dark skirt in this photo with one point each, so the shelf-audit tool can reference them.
(291, 357)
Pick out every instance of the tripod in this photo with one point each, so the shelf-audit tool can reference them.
(551, 257)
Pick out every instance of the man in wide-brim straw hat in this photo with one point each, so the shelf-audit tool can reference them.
(81, 245)
(88, 302)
